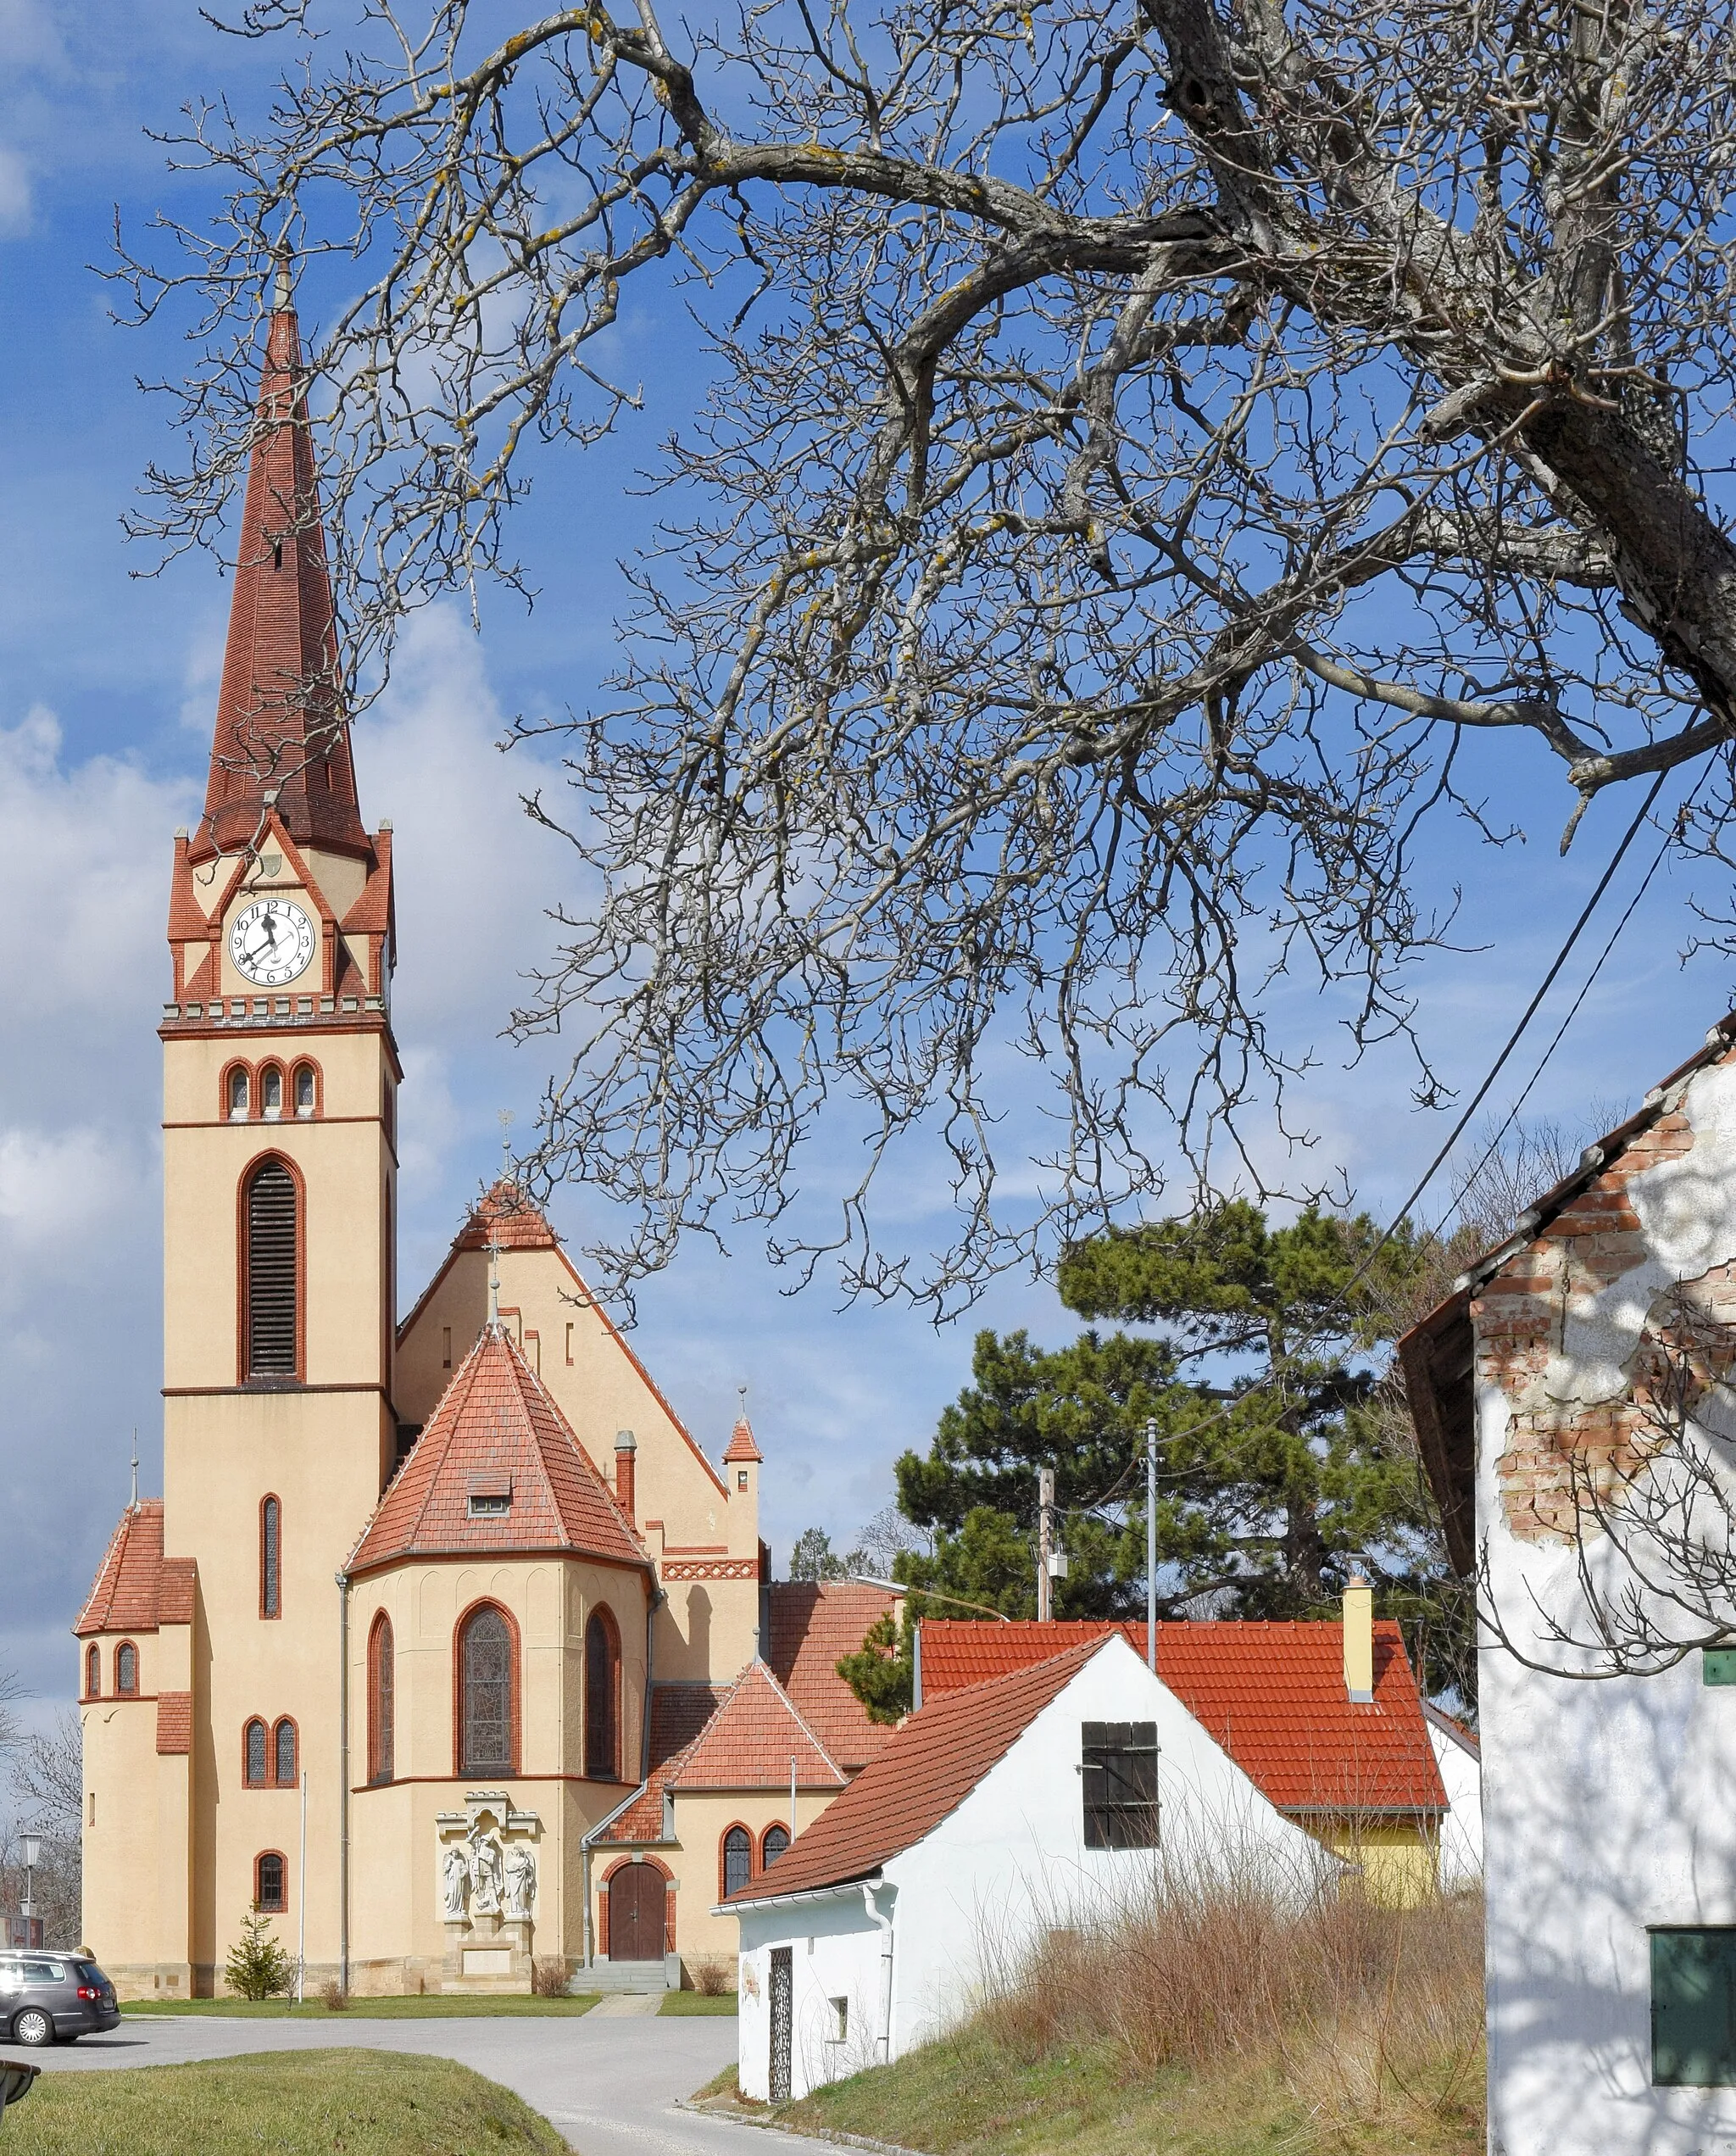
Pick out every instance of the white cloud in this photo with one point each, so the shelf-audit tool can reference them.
(15, 201)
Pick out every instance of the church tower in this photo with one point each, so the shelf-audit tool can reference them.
(280, 1086)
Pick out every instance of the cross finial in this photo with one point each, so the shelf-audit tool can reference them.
(742, 1400)
(134, 1467)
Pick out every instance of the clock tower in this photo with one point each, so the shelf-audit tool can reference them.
(280, 1162)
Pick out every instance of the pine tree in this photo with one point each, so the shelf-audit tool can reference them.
(1284, 1462)
(257, 1967)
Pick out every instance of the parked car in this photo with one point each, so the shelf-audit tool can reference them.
(47, 1997)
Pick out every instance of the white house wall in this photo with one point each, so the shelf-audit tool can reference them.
(1462, 1830)
(973, 1897)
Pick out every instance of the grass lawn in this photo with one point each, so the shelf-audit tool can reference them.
(970, 2097)
(307, 2103)
(678, 2003)
(432, 2006)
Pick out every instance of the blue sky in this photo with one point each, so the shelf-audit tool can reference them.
(106, 693)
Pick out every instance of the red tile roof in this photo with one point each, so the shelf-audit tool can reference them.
(741, 1443)
(175, 1594)
(678, 1713)
(175, 1722)
(813, 1623)
(505, 1208)
(933, 1762)
(495, 1419)
(1271, 1694)
(124, 1595)
(751, 1740)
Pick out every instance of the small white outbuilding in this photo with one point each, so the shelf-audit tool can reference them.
(1038, 1800)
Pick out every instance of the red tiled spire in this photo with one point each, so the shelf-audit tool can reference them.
(279, 723)
(741, 1443)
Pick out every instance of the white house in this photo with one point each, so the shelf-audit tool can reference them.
(1458, 1759)
(1573, 1401)
(1037, 1800)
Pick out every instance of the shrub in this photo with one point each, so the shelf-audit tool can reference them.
(711, 1979)
(333, 1996)
(257, 1967)
(549, 1977)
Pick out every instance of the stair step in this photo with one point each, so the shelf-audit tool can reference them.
(624, 1976)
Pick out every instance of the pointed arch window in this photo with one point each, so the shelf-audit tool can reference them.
(381, 1706)
(737, 1860)
(602, 1698)
(271, 1315)
(486, 1716)
(253, 1742)
(777, 1839)
(127, 1669)
(286, 1765)
(270, 1557)
(93, 1673)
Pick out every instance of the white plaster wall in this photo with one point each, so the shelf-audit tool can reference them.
(835, 1953)
(1608, 1806)
(1462, 1830)
(977, 1894)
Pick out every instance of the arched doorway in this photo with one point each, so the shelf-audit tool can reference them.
(637, 1908)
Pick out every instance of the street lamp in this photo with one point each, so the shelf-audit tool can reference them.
(31, 1847)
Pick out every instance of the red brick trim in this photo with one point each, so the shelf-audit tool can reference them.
(272, 1498)
(242, 1375)
(258, 1722)
(274, 1908)
(711, 1568)
(459, 1771)
(230, 1070)
(294, 1114)
(131, 1691)
(760, 1858)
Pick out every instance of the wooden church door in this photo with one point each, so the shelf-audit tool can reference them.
(637, 1905)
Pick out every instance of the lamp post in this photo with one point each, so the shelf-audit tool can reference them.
(30, 1848)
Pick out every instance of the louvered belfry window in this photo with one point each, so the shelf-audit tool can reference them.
(271, 1272)
(484, 1680)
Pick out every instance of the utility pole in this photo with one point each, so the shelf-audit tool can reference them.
(1045, 1543)
(1151, 1544)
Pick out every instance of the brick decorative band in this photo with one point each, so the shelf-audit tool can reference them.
(710, 1568)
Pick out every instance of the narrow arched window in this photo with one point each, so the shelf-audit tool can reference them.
(93, 1673)
(126, 1667)
(270, 1558)
(287, 1770)
(269, 1869)
(272, 1268)
(253, 1755)
(737, 1860)
(271, 1094)
(485, 1694)
(381, 1678)
(304, 1090)
(237, 1096)
(777, 1839)
(602, 1698)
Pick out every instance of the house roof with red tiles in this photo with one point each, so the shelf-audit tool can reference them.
(813, 1624)
(678, 1713)
(280, 727)
(742, 1446)
(1271, 1693)
(495, 1421)
(124, 1595)
(752, 1741)
(936, 1757)
(174, 1722)
(504, 1210)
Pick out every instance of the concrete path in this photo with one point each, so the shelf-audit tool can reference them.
(609, 2084)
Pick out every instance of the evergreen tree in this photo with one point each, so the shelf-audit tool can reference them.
(257, 1967)
(1283, 1462)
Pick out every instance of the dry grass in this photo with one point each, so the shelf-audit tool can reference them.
(549, 1976)
(333, 1996)
(1225, 2010)
(711, 1979)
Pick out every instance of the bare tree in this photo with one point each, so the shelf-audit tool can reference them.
(47, 1785)
(1148, 443)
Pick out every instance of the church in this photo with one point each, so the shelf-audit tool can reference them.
(447, 1645)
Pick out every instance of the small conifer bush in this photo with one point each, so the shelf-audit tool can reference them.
(257, 1967)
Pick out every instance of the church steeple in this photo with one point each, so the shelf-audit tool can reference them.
(280, 724)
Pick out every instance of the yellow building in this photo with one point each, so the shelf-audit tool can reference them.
(426, 1612)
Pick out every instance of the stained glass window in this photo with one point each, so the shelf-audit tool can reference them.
(485, 1692)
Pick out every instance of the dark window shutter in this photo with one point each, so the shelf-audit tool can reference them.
(1694, 2007)
(1118, 1774)
(271, 1272)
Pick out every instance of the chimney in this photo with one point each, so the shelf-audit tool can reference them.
(625, 1448)
(1358, 1640)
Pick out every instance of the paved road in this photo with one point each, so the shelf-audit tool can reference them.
(608, 2083)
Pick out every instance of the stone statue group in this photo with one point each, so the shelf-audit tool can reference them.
(479, 1881)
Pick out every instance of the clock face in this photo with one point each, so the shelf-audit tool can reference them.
(271, 942)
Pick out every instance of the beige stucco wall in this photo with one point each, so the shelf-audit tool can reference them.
(120, 1923)
(702, 1818)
